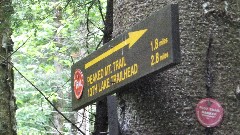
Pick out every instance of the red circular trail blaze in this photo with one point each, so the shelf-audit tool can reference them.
(209, 112)
(78, 83)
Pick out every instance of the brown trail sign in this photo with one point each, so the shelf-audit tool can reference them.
(149, 46)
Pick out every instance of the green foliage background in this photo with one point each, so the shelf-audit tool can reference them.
(35, 32)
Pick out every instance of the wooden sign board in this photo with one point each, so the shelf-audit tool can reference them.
(149, 46)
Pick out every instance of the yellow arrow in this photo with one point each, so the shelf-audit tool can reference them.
(133, 37)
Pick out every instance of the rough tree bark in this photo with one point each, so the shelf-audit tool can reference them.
(7, 106)
(164, 103)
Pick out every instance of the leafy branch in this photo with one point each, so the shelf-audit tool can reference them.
(59, 112)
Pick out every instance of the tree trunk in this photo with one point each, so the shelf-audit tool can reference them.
(101, 120)
(7, 106)
(164, 103)
(58, 120)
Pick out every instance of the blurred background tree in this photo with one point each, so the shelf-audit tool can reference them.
(7, 106)
(49, 37)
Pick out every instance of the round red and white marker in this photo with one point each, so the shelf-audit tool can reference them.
(209, 112)
(78, 83)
